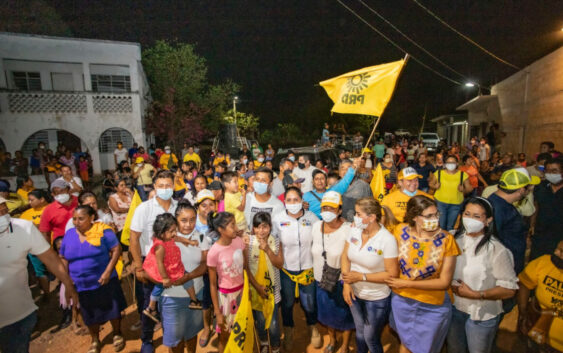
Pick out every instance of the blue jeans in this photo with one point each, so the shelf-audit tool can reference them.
(142, 193)
(466, 335)
(15, 337)
(448, 214)
(370, 316)
(307, 297)
(273, 330)
(143, 294)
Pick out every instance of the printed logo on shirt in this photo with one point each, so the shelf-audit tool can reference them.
(377, 251)
(354, 241)
(553, 283)
(285, 224)
(255, 209)
(306, 223)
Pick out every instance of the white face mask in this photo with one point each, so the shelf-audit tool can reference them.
(62, 198)
(472, 225)
(553, 178)
(4, 222)
(430, 225)
(387, 160)
(451, 166)
(328, 216)
(164, 194)
(359, 223)
(293, 208)
(139, 164)
(167, 151)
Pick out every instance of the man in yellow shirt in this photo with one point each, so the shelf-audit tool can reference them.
(397, 200)
(143, 172)
(168, 159)
(192, 156)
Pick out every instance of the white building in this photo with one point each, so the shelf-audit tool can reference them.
(80, 92)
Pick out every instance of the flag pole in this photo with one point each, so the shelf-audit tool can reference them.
(379, 117)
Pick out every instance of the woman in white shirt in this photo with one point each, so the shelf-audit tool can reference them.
(293, 228)
(369, 258)
(484, 275)
(329, 237)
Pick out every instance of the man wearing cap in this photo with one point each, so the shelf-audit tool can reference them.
(143, 173)
(277, 184)
(305, 170)
(514, 185)
(168, 159)
(18, 312)
(289, 180)
(397, 200)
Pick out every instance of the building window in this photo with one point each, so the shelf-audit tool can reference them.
(111, 83)
(110, 138)
(27, 81)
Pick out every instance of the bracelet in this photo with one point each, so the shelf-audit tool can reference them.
(482, 295)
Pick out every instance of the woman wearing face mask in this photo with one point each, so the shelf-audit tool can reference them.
(329, 239)
(484, 275)
(539, 318)
(421, 307)
(293, 226)
(451, 185)
(389, 171)
(369, 258)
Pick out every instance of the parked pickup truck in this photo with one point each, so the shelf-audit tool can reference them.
(431, 140)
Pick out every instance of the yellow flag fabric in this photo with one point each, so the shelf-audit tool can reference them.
(378, 183)
(365, 91)
(126, 232)
(241, 339)
(262, 276)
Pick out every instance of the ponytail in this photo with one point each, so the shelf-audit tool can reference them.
(216, 220)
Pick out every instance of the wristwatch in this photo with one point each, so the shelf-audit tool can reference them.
(364, 278)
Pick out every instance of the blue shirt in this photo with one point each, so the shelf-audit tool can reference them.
(340, 187)
(511, 229)
(425, 172)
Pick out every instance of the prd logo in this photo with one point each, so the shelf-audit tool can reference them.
(355, 85)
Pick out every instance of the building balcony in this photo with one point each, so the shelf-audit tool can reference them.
(18, 102)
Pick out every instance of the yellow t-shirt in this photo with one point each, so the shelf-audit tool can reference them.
(23, 194)
(397, 202)
(542, 275)
(164, 160)
(192, 157)
(14, 201)
(218, 160)
(232, 201)
(448, 192)
(33, 215)
(144, 177)
(421, 259)
(180, 184)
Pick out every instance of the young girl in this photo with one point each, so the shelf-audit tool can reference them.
(226, 264)
(261, 241)
(164, 261)
(83, 170)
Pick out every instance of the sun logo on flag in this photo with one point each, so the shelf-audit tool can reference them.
(357, 83)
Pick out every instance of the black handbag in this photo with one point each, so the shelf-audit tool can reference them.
(331, 275)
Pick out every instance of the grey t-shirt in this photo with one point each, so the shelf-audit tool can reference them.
(357, 190)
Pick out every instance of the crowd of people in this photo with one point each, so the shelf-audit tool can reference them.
(460, 237)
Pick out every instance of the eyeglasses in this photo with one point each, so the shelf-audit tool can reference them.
(431, 216)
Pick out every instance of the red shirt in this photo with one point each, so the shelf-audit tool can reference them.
(55, 217)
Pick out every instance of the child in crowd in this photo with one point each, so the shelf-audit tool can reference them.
(164, 261)
(263, 246)
(226, 264)
(83, 170)
(235, 198)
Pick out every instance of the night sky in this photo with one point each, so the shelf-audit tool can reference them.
(278, 50)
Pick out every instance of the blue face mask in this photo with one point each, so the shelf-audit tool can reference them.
(164, 194)
(260, 188)
(541, 168)
(291, 158)
(411, 194)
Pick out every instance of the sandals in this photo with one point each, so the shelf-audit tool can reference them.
(203, 342)
(330, 349)
(151, 314)
(118, 343)
(195, 305)
(94, 347)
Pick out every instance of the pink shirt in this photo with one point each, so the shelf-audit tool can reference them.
(228, 262)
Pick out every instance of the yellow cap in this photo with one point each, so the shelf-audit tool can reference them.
(139, 160)
(517, 178)
(331, 199)
(366, 150)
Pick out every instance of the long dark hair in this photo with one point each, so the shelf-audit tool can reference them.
(216, 220)
(490, 230)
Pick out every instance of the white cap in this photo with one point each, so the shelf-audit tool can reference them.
(205, 194)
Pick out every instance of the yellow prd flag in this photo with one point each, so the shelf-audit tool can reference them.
(241, 339)
(126, 233)
(378, 183)
(366, 91)
(262, 276)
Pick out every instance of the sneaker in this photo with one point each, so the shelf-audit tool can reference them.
(316, 338)
(288, 338)
(136, 326)
(195, 305)
(151, 314)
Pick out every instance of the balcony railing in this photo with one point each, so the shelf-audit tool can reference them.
(68, 102)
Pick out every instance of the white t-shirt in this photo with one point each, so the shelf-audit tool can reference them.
(334, 245)
(77, 180)
(369, 259)
(306, 173)
(191, 259)
(143, 220)
(16, 301)
(121, 155)
(277, 187)
(296, 238)
(253, 206)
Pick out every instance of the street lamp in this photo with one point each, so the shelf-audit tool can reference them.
(469, 84)
(235, 101)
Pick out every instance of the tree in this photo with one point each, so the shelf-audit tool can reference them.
(247, 124)
(185, 105)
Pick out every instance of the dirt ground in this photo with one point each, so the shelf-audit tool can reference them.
(66, 341)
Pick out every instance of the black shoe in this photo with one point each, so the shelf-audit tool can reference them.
(65, 321)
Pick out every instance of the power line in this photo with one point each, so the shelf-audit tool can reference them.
(412, 41)
(464, 36)
(398, 46)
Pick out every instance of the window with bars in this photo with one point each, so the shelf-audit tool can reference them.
(110, 138)
(111, 83)
(27, 81)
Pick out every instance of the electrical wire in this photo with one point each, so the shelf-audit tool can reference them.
(464, 36)
(412, 41)
(398, 46)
